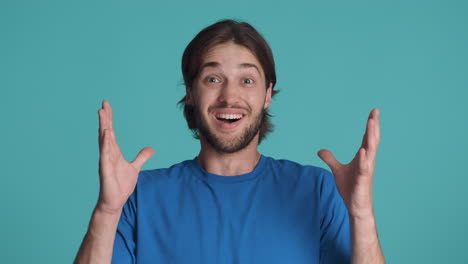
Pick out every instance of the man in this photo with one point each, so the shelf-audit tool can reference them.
(231, 204)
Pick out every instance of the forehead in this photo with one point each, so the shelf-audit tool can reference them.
(230, 55)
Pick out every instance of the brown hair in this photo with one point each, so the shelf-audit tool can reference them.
(224, 31)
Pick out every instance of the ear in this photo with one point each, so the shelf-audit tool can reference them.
(188, 96)
(268, 96)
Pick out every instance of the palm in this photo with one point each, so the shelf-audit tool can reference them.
(118, 177)
(354, 180)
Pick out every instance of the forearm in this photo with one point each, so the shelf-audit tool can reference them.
(98, 243)
(365, 242)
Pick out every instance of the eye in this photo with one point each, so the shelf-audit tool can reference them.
(248, 81)
(213, 80)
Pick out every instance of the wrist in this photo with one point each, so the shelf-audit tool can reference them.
(363, 221)
(103, 209)
(361, 210)
(362, 215)
(103, 222)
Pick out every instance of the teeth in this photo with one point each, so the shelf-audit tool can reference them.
(229, 116)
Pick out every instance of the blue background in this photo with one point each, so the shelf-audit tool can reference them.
(336, 60)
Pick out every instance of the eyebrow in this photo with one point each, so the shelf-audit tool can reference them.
(215, 64)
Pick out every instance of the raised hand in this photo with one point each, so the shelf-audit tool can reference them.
(117, 176)
(354, 180)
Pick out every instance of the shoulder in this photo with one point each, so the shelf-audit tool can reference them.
(164, 175)
(294, 169)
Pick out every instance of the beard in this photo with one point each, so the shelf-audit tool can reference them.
(229, 145)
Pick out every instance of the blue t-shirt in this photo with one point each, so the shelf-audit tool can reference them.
(281, 212)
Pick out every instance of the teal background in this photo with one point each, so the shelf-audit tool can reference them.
(336, 60)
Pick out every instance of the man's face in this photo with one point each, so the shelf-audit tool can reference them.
(229, 97)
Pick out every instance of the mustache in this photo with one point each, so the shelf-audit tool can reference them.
(226, 105)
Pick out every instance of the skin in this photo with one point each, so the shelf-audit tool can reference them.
(228, 85)
(354, 183)
(118, 179)
(233, 87)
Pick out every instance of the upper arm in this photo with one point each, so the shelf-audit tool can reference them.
(125, 238)
(335, 239)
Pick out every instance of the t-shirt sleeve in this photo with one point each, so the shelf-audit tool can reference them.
(335, 239)
(124, 244)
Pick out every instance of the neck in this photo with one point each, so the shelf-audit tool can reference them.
(229, 164)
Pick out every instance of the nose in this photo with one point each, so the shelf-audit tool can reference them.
(229, 94)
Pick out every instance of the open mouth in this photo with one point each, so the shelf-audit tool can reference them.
(229, 118)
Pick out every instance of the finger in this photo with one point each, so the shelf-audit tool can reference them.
(102, 124)
(364, 138)
(365, 141)
(142, 157)
(371, 139)
(111, 118)
(377, 125)
(363, 164)
(329, 159)
(113, 145)
(372, 113)
(104, 147)
(108, 109)
(371, 130)
(102, 117)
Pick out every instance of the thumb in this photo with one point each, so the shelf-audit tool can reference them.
(142, 157)
(328, 158)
